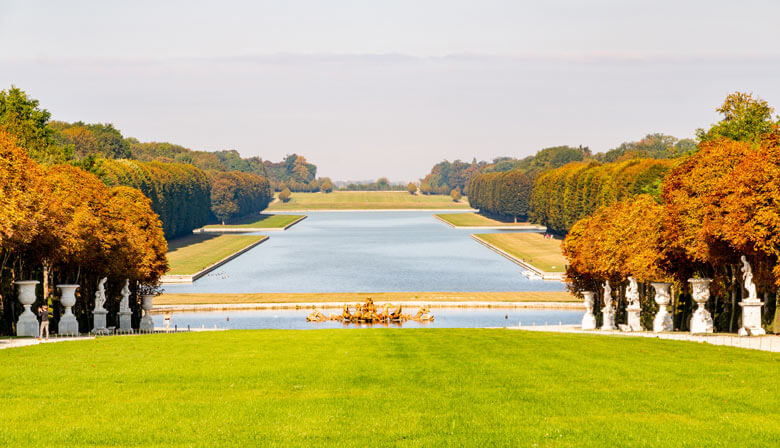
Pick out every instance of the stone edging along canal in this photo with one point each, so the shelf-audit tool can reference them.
(229, 229)
(191, 278)
(558, 276)
(310, 210)
(338, 305)
(523, 227)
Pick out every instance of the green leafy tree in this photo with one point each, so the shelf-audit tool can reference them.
(23, 119)
(744, 119)
(455, 195)
(326, 186)
(284, 195)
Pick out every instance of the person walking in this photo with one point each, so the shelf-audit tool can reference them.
(43, 313)
(167, 321)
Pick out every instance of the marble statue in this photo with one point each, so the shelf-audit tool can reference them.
(748, 273)
(124, 304)
(100, 294)
(751, 306)
(99, 313)
(125, 315)
(588, 320)
(633, 309)
(608, 312)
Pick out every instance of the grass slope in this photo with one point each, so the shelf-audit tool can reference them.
(477, 220)
(208, 298)
(534, 248)
(366, 200)
(266, 221)
(387, 387)
(193, 253)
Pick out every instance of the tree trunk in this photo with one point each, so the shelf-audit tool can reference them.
(776, 323)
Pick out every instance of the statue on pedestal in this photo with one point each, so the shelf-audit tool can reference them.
(99, 313)
(751, 306)
(633, 309)
(125, 323)
(608, 312)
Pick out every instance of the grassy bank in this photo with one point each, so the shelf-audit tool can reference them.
(262, 221)
(387, 387)
(543, 253)
(193, 253)
(207, 298)
(478, 220)
(366, 200)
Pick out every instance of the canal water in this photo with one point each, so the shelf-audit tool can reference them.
(394, 251)
(296, 319)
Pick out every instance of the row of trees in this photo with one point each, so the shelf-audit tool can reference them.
(720, 202)
(180, 193)
(61, 224)
(235, 194)
(501, 193)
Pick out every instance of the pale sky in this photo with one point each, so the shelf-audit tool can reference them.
(367, 89)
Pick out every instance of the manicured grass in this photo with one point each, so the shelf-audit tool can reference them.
(262, 221)
(543, 253)
(366, 200)
(477, 220)
(208, 298)
(193, 253)
(382, 387)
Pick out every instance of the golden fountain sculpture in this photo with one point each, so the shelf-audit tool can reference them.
(367, 314)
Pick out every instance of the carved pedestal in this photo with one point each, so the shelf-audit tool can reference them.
(751, 318)
(27, 325)
(68, 325)
(99, 321)
(125, 325)
(663, 297)
(147, 324)
(701, 321)
(634, 323)
(588, 320)
(608, 312)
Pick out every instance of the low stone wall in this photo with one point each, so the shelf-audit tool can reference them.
(535, 227)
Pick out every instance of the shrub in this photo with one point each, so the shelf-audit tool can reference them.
(284, 195)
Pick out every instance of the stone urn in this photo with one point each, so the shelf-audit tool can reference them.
(663, 297)
(68, 324)
(588, 320)
(701, 321)
(147, 302)
(27, 325)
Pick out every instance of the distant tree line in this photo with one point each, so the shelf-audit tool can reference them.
(381, 184)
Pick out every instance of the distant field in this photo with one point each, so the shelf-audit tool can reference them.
(193, 253)
(478, 220)
(366, 200)
(545, 254)
(207, 298)
(266, 221)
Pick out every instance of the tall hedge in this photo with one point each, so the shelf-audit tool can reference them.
(501, 193)
(562, 196)
(235, 194)
(180, 193)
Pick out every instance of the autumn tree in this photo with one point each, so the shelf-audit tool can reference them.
(745, 118)
(285, 195)
(411, 188)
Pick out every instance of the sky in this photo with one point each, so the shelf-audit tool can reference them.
(368, 88)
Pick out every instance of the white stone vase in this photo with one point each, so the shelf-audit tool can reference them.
(68, 324)
(588, 320)
(147, 302)
(663, 297)
(27, 325)
(701, 321)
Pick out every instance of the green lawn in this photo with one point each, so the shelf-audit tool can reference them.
(477, 220)
(193, 253)
(543, 253)
(265, 221)
(356, 388)
(366, 200)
